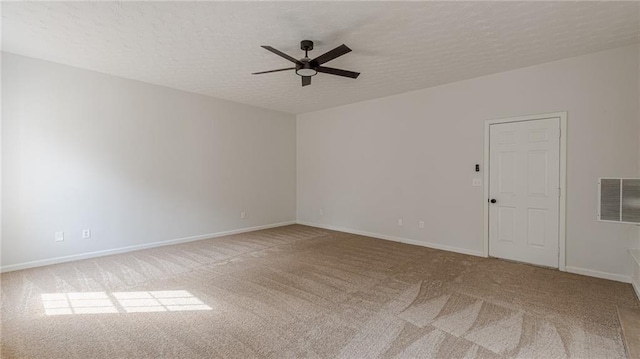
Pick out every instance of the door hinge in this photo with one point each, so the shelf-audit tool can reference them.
(559, 191)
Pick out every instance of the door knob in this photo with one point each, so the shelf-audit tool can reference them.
(493, 200)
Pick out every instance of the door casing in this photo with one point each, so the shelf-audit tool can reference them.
(563, 179)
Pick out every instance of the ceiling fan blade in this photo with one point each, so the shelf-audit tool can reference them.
(328, 56)
(332, 71)
(306, 80)
(282, 54)
(266, 72)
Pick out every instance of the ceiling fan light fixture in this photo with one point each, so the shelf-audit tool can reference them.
(306, 72)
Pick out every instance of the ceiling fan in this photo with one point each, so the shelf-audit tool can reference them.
(306, 68)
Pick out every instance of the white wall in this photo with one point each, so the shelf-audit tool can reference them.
(135, 163)
(411, 156)
(635, 273)
(638, 242)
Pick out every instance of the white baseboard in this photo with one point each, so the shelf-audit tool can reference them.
(598, 274)
(75, 257)
(396, 239)
(106, 252)
(636, 288)
(635, 272)
(575, 270)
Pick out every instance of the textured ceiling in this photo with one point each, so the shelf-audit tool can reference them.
(212, 47)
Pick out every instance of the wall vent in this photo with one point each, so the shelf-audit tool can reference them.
(619, 200)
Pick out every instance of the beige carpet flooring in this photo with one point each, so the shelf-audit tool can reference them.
(298, 291)
(630, 323)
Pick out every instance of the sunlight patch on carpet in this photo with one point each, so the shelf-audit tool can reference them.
(121, 302)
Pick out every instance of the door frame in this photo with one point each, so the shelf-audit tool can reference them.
(562, 210)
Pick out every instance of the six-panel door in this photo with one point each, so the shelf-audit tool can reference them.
(524, 178)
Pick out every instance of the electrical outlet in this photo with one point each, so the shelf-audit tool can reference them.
(421, 224)
(400, 221)
(59, 236)
(86, 233)
(243, 215)
(321, 212)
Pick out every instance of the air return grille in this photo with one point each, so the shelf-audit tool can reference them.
(619, 200)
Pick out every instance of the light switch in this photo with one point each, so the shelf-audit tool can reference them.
(477, 182)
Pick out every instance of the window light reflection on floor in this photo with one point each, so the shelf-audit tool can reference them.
(121, 302)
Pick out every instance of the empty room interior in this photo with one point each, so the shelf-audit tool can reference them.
(320, 179)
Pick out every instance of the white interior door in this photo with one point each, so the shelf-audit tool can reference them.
(524, 190)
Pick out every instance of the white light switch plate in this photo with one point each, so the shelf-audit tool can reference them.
(477, 182)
